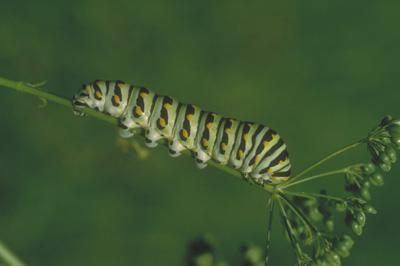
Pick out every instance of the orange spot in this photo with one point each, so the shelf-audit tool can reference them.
(162, 122)
(185, 134)
(99, 94)
(223, 146)
(117, 100)
(205, 142)
(189, 117)
(138, 110)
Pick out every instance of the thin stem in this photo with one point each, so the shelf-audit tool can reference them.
(307, 179)
(301, 216)
(311, 195)
(8, 257)
(271, 206)
(330, 156)
(295, 245)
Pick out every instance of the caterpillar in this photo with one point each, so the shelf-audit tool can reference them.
(257, 151)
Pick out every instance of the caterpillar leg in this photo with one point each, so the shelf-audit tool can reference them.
(175, 148)
(125, 133)
(201, 158)
(152, 136)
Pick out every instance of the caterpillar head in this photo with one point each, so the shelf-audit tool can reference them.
(89, 96)
(81, 100)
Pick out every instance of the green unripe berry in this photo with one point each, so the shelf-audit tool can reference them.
(369, 168)
(332, 258)
(357, 228)
(365, 193)
(391, 153)
(367, 184)
(342, 250)
(385, 167)
(360, 216)
(341, 207)
(347, 241)
(330, 225)
(396, 142)
(315, 215)
(369, 209)
(377, 179)
(385, 158)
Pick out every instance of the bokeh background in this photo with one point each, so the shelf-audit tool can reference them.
(321, 72)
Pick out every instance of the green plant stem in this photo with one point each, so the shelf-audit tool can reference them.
(311, 195)
(271, 206)
(307, 179)
(37, 91)
(299, 214)
(290, 231)
(8, 257)
(330, 156)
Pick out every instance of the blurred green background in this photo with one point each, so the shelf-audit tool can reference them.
(321, 72)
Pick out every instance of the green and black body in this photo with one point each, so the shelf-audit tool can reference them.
(256, 150)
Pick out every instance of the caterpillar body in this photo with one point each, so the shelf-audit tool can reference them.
(257, 151)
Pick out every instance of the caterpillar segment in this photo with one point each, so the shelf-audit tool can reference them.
(206, 137)
(257, 151)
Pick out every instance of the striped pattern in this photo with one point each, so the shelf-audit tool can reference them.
(257, 151)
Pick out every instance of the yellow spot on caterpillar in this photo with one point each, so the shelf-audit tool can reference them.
(185, 134)
(138, 110)
(265, 143)
(117, 100)
(143, 94)
(227, 130)
(189, 117)
(223, 146)
(204, 142)
(241, 154)
(167, 106)
(209, 125)
(269, 171)
(246, 137)
(162, 122)
(258, 158)
(99, 94)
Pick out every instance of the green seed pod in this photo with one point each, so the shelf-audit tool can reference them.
(330, 225)
(315, 215)
(332, 258)
(360, 216)
(357, 228)
(369, 209)
(341, 206)
(342, 250)
(384, 158)
(365, 193)
(369, 168)
(377, 179)
(391, 153)
(347, 241)
(396, 142)
(385, 167)
(367, 184)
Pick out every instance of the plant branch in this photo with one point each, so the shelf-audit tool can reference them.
(330, 156)
(307, 179)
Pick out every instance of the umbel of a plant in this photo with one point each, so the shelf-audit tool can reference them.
(307, 218)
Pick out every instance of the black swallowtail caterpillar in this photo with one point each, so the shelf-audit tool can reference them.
(256, 150)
